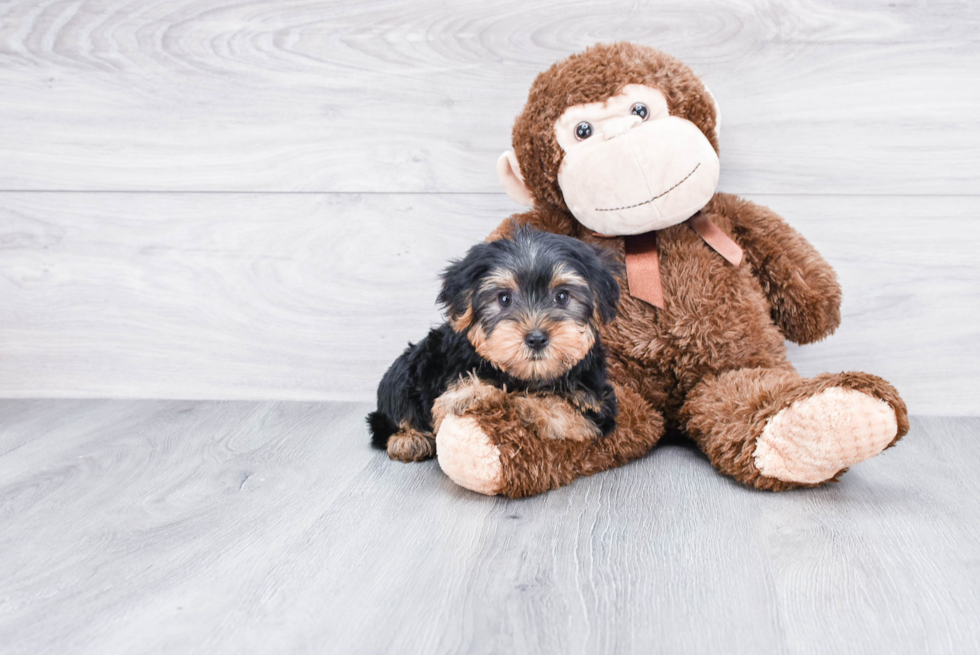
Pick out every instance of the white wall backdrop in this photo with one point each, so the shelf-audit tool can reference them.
(252, 199)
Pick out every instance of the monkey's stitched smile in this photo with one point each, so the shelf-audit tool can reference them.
(647, 202)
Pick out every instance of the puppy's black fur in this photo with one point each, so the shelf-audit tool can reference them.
(472, 288)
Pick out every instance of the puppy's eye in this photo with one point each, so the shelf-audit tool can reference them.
(583, 131)
(561, 298)
(504, 299)
(640, 109)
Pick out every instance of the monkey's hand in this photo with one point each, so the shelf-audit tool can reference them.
(801, 286)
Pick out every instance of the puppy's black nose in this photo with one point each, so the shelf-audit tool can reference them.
(536, 340)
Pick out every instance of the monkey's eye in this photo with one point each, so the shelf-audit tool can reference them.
(561, 298)
(583, 131)
(640, 109)
(504, 299)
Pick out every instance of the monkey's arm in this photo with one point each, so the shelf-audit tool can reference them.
(801, 286)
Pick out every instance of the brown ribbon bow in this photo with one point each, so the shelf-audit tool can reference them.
(643, 265)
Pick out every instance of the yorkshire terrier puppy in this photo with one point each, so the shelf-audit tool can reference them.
(523, 316)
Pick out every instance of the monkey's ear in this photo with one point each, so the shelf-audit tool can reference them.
(509, 172)
(717, 112)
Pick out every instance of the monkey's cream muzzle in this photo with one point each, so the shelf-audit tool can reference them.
(635, 177)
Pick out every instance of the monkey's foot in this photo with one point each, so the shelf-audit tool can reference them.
(817, 437)
(468, 456)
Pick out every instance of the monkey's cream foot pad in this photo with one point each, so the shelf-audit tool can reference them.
(814, 438)
(467, 456)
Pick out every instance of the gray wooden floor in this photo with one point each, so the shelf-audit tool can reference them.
(268, 527)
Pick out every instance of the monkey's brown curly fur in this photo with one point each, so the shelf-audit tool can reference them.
(712, 363)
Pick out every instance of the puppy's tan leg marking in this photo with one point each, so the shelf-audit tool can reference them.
(551, 417)
(409, 445)
(585, 402)
(460, 396)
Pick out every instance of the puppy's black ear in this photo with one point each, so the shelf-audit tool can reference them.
(600, 267)
(459, 282)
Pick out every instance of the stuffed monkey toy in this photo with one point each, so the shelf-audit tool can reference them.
(618, 146)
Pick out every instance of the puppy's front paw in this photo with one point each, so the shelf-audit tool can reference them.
(550, 417)
(585, 401)
(460, 397)
(409, 445)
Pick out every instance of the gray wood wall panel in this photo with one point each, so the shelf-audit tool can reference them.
(189, 527)
(339, 153)
(313, 295)
(820, 97)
